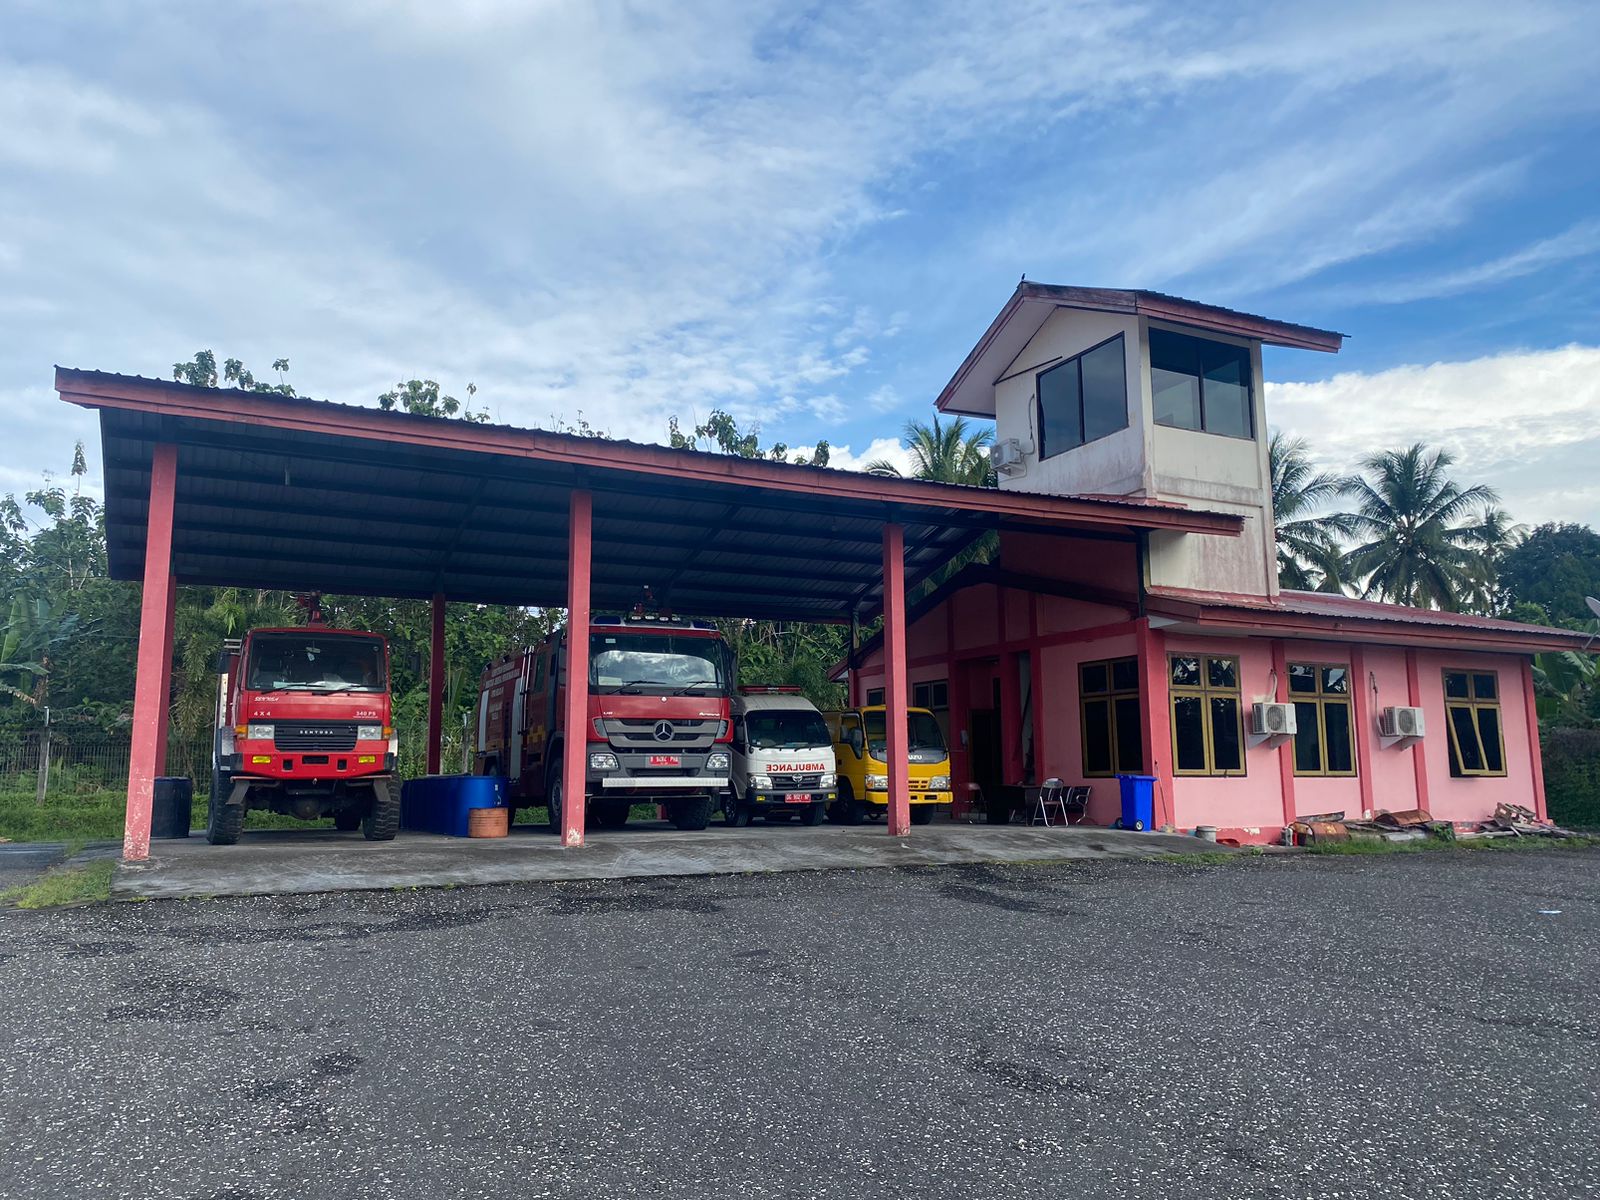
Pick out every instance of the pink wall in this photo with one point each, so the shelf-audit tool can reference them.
(1474, 799)
(1392, 775)
(1062, 719)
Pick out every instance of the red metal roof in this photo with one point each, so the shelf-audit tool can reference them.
(287, 492)
(1308, 612)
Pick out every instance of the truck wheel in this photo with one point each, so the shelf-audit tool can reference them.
(611, 814)
(552, 801)
(921, 814)
(849, 810)
(690, 814)
(347, 820)
(812, 815)
(382, 821)
(224, 822)
(735, 813)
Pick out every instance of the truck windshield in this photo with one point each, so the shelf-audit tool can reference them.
(786, 729)
(649, 663)
(314, 662)
(924, 731)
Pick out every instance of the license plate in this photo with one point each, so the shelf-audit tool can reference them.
(798, 798)
(665, 760)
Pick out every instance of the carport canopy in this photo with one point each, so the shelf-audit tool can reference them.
(247, 489)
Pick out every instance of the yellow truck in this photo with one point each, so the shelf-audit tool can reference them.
(859, 746)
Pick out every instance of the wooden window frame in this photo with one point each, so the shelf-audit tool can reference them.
(1204, 691)
(1472, 703)
(1110, 696)
(1322, 699)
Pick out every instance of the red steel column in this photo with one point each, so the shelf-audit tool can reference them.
(580, 533)
(152, 691)
(1419, 764)
(1280, 670)
(1155, 731)
(1535, 751)
(1365, 730)
(436, 685)
(895, 688)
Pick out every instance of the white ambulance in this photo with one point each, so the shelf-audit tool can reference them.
(783, 764)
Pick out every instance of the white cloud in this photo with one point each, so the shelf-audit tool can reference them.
(1526, 423)
(886, 449)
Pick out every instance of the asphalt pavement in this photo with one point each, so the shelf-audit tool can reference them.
(1408, 1026)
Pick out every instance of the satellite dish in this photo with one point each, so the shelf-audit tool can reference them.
(1594, 605)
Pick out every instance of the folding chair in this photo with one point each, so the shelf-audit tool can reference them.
(1077, 801)
(1050, 798)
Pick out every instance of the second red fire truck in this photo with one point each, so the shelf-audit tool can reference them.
(658, 728)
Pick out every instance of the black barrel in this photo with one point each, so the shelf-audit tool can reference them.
(173, 811)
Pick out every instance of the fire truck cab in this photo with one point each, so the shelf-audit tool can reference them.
(658, 728)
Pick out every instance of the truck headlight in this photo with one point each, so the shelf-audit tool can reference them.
(828, 780)
(602, 760)
(258, 733)
(939, 783)
(369, 733)
(877, 783)
(761, 783)
(717, 761)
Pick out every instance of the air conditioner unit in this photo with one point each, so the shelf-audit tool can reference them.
(1400, 722)
(1006, 456)
(1272, 720)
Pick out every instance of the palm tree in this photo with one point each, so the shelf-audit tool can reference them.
(1309, 557)
(1491, 539)
(953, 453)
(1424, 534)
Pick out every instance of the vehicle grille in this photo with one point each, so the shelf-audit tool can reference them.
(641, 734)
(314, 735)
(796, 782)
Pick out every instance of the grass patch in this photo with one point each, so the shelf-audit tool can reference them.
(64, 885)
(1475, 845)
(98, 817)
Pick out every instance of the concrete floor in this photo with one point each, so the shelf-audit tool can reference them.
(292, 862)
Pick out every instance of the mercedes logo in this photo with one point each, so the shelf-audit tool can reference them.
(663, 731)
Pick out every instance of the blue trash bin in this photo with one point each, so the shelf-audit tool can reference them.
(1138, 801)
(444, 803)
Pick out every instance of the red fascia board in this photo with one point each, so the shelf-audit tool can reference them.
(89, 389)
(1221, 320)
(1384, 629)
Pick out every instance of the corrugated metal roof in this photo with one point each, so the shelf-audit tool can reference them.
(280, 492)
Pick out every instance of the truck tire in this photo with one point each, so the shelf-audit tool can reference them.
(553, 788)
(921, 814)
(611, 814)
(848, 811)
(382, 821)
(812, 815)
(224, 822)
(735, 813)
(347, 820)
(690, 813)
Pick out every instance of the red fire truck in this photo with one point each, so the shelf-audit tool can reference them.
(658, 729)
(303, 728)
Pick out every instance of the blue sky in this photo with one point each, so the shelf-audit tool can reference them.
(807, 215)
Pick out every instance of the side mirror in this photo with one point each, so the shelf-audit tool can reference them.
(222, 661)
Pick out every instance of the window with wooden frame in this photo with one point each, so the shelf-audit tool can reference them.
(933, 695)
(1207, 714)
(1108, 698)
(1472, 712)
(1323, 741)
(874, 697)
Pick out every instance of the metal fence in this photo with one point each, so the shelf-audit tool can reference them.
(82, 763)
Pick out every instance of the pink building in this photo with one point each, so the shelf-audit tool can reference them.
(1175, 654)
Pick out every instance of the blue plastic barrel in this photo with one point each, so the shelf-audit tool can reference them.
(444, 803)
(1138, 801)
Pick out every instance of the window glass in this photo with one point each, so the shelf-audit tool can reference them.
(1336, 680)
(1307, 738)
(1227, 390)
(1341, 754)
(1125, 675)
(1189, 733)
(1060, 409)
(1095, 677)
(314, 662)
(1464, 739)
(874, 696)
(922, 731)
(1227, 750)
(1174, 380)
(1489, 737)
(939, 694)
(624, 663)
(1097, 737)
(1105, 391)
(1130, 749)
(1455, 684)
(1222, 672)
(1484, 687)
(1186, 672)
(785, 729)
(1302, 678)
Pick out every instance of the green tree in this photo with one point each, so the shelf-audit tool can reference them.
(1421, 532)
(1554, 567)
(957, 452)
(1309, 554)
(720, 431)
(424, 398)
(201, 371)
